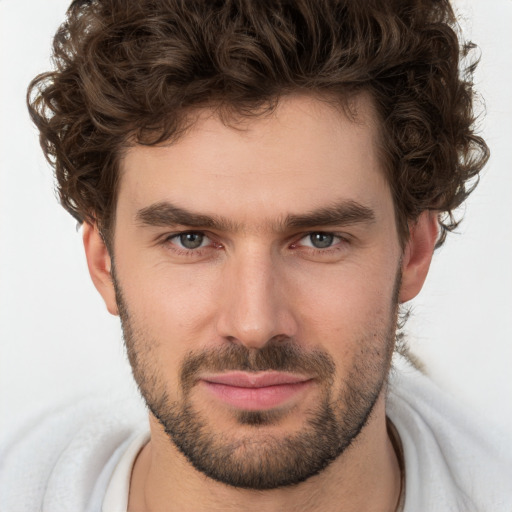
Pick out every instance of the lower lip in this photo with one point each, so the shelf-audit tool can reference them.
(256, 399)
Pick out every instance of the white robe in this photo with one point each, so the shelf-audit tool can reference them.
(65, 462)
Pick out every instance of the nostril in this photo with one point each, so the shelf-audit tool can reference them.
(280, 338)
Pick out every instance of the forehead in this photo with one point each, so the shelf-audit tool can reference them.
(304, 155)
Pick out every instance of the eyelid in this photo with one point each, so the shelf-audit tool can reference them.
(335, 239)
(342, 237)
(168, 242)
(177, 235)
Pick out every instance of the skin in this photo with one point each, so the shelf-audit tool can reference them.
(256, 280)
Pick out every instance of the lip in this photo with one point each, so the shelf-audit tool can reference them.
(256, 391)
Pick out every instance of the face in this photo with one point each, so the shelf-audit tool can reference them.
(257, 272)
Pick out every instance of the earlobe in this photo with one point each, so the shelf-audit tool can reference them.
(418, 254)
(100, 264)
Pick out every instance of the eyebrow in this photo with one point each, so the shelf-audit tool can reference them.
(342, 213)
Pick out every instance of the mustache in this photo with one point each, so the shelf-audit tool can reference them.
(277, 356)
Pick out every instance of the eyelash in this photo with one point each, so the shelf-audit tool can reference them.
(334, 247)
(339, 245)
(188, 252)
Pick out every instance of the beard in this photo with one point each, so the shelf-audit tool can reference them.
(254, 457)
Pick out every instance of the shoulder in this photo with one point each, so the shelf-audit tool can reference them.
(454, 461)
(63, 460)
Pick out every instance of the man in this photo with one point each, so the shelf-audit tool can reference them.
(262, 185)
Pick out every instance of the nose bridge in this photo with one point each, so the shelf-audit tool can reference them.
(253, 310)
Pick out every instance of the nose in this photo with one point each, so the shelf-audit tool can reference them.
(254, 307)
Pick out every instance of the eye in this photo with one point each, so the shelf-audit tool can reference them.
(320, 240)
(190, 240)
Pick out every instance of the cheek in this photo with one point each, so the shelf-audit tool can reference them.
(172, 305)
(341, 307)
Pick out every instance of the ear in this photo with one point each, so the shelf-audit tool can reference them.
(418, 254)
(99, 263)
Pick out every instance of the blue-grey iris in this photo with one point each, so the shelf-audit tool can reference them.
(191, 240)
(321, 240)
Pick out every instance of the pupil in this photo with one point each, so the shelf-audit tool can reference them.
(191, 240)
(321, 240)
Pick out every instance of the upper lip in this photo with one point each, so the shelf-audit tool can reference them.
(255, 379)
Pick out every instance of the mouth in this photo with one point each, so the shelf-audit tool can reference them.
(256, 391)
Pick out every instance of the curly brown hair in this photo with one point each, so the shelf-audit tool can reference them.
(128, 72)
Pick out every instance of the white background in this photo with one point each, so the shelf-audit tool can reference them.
(56, 339)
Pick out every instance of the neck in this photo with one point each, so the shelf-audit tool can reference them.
(365, 477)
